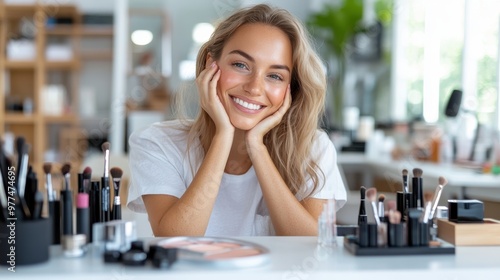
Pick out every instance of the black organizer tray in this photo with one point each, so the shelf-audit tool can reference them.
(350, 244)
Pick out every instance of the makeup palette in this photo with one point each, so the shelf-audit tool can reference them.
(217, 252)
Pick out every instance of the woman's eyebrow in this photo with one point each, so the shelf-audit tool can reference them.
(249, 57)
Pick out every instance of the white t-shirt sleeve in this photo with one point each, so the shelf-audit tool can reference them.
(324, 151)
(155, 167)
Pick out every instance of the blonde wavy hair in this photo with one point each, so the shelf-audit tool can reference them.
(290, 142)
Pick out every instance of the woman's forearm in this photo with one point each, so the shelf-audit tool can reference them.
(288, 215)
(189, 215)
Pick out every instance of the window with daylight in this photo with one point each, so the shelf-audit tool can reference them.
(445, 45)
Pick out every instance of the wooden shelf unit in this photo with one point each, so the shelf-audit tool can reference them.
(27, 79)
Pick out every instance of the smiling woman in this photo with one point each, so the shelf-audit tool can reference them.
(254, 161)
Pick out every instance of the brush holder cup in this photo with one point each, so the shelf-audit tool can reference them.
(24, 242)
(403, 203)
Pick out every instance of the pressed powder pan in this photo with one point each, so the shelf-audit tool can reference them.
(217, 252)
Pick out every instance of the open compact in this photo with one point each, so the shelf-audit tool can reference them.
(217, 252)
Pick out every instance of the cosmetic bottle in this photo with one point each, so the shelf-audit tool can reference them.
(327, 228)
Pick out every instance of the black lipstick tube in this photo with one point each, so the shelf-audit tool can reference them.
(67, 212)
(55, 215)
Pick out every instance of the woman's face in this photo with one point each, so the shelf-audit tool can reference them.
(256, 65)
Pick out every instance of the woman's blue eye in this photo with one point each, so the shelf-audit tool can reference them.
(276, 77)
(239, 65)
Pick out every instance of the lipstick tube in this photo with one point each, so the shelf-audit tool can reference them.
(82, 214)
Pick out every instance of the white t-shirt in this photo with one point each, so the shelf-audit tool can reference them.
(159, 164)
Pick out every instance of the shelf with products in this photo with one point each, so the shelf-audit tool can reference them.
(73, 64)
(26, 67)
(19, 118)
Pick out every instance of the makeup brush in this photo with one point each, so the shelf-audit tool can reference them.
(105, 149)
(362, 218)
(67, 201)
(37, 205)
(53, 204)
(391, 205)
(87, 175)
(371, 195)
(3, 200)
(381, 211)
(3, 167)
(437, 195)
(424, 218)
(116, 173)
(394, 217)
(105, 189)
(47, 168)
(417, 191)
(405, 181)
(22, 166)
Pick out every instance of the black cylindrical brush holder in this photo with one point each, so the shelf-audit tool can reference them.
(372, 235)
(414, 227)
(24, 242)
(363, 235)
(396, 237)
(424, 234)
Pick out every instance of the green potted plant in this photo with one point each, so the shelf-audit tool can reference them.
(336, 25)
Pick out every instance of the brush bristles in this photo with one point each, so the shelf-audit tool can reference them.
(381, 198)
(405, 172)
(371, 194)
(47, 167)
(87, 173)
(391, 205)
(417, 172)
(442, 181)
(394, 217)
(66, 168)
(105, 146)
(116, 172)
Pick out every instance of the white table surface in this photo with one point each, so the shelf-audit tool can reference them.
(291, 258)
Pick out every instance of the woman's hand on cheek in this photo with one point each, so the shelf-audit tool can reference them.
(256, 134)
(209, 100)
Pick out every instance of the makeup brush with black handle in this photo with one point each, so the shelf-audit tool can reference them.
(22, 169)
(54, 204)
(67, 201)
(417, 189)
(105, 188)
(116, 173)
(87, 176)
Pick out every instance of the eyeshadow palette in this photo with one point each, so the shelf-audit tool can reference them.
(217, 252)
